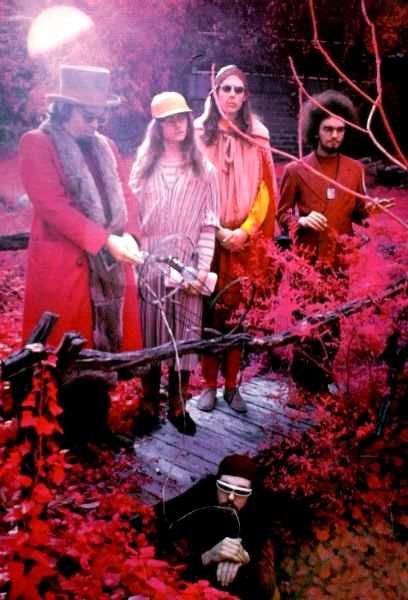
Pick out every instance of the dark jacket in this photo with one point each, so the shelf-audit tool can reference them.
(193, 522)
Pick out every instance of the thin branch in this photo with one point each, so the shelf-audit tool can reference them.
(366, 131)
(375, 48)
(105, 361)
(377, 143)
(378, 102)
(346, 79)
(328, 58)
(300, 123)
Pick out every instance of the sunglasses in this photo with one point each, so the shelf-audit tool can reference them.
(238, 89)
(89, 116)
(237, 490)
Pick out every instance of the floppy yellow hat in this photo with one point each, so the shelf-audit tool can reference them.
(167, 104)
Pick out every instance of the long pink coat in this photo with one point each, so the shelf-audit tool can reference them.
(61, 236)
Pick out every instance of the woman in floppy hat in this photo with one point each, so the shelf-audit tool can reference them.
(177, 196)
(247, 208)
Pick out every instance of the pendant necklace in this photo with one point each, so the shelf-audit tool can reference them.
(331, 190)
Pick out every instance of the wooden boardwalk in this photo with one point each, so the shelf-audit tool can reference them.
(169, 462)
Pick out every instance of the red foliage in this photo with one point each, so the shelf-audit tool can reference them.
(69, 530)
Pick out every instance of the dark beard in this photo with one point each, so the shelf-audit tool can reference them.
(229, 504)
(330, 149)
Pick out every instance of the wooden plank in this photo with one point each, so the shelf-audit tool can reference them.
(171, 462)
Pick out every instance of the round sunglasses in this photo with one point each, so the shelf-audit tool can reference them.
(229, 488)
(238, 89)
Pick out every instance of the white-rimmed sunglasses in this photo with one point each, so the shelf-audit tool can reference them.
(229, 488)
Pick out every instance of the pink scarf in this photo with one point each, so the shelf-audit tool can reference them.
(239, 166)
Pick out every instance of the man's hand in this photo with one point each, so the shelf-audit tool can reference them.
(197, 286)
(376, 204)
(222, 233)
(124, 248)
(314, 220)
(226, 572)
(229, 549)
(133, 248)
(233, 239)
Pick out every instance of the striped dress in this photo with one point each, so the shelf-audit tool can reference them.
(178, 215)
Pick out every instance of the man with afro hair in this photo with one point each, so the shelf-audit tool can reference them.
(310, 207)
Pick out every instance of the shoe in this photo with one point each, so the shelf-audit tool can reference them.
(119, 441)
(145, 423)
(183, 423)
(235, 400)
(84, 453)
(207, 399)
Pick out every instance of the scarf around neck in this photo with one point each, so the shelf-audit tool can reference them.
(239, 167)
(106, 277)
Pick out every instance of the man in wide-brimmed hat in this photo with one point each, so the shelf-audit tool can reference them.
(81, 245)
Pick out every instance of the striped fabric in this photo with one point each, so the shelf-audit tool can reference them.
(178, 214)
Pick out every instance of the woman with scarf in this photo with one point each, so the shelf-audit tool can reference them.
(237, 143)
(177, 195)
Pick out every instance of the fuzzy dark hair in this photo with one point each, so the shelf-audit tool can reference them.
(152, 148)
(313, 115)
(60, 112)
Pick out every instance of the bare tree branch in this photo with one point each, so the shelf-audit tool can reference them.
(376, 102)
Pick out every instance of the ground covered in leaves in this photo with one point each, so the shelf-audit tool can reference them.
(75, 530)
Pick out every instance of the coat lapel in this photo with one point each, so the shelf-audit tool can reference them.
(317, 185)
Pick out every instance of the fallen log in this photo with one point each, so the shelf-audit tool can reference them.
(33, 352)
(128, 361)
(127, 364)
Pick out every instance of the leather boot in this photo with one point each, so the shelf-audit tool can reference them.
(178, 415)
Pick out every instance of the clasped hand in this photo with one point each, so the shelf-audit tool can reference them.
(230, 555)
(232, 239)
(124, 248)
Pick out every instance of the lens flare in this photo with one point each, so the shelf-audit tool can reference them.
(56, 26)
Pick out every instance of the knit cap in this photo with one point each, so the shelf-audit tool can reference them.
(238, 465)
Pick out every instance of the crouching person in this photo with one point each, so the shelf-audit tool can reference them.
(218, 529)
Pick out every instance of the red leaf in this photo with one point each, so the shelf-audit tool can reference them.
(39, 532)
(29, 400)
(24, 480)
(374, 482)
(325, 570)
(382, 527)
(322, 534)
(27, 419)
(45, 427)
(57, 474)
(42, 494)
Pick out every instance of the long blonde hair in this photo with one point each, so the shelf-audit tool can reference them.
(152, 148)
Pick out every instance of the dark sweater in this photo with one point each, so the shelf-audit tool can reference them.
(192, 523)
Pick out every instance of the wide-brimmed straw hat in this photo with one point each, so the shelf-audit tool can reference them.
(84, 85)
(167, 104)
